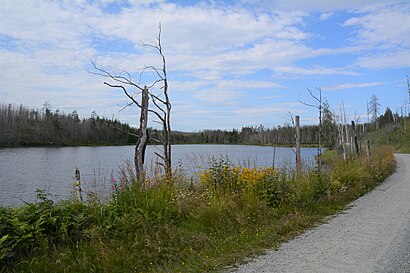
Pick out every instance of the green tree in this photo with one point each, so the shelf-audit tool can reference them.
(329, 127)
(387, 118)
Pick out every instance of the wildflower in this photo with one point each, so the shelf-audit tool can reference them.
(113, 182)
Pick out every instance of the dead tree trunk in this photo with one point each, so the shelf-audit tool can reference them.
(368, 151)
(163, 105)
(142, 141)
(298, 159)
(356, 145)
(319, 148)
(342, 135)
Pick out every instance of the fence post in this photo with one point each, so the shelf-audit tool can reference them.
(368, 151)
(78, 185)
(356, 145)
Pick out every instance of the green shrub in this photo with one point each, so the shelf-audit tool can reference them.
(38, 226)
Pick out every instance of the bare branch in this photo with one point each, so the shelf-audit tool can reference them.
(156, 113)
(160, 163)
(159, 155)
(159, 122)
(159, 108)
(291, 118)
(155, 140)
(154, 69)
(121, 79)
(119, 129)
(125, 92)
(128, 105)
(313, 96)
(157, 98)
(308, 104)
(154, 83)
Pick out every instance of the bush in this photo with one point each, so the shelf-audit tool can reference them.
(38, 226)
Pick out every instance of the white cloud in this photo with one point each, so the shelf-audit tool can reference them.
(385, 30)
(325, 16)
(246, 84)
(316, 5)
(314, 70)
(386, 25)
(252, 111)
(350, 86)
(215, 96)
(394, 59)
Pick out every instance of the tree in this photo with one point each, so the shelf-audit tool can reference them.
(374, 107)
(162, 106)
(387, 118)
(329, 127)
(319, 106)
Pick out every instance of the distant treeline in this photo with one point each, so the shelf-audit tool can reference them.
(259, 135)
(20, 126)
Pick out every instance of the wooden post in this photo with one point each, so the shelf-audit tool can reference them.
(298, 160)
(342, 135)
(356, 145)
(78, 185)
(142, 141)
(368, 151)
(274, 156)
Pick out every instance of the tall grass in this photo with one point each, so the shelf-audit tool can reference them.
(180, 226)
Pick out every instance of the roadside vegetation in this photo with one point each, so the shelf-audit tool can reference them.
(397, 135)
(180, 225)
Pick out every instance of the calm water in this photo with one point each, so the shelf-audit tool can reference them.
(23, 170)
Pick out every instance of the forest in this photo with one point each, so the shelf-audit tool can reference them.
(21, 126)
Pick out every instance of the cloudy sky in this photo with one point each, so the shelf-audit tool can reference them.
(230, 63)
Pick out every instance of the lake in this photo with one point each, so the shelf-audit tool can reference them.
(23, 170)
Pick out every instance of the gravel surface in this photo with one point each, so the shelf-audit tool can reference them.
(372, 236)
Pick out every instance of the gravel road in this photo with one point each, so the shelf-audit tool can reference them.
(372, 236)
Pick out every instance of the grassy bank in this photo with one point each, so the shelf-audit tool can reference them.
(179, 226)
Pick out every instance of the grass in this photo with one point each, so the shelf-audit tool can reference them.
(178, 226)
(397, 136)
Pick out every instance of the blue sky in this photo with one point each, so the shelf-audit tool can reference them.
(230, 63)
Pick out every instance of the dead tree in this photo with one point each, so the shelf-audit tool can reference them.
(343, 130)
(298, 159)
(142, 141)
(142, 138)
(408, 102)
(317, 105)
(341, 135)
(297, 142)
(163, 107)
(161, 110)
(356, 144)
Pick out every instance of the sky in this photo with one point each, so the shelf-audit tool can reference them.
(230, 63)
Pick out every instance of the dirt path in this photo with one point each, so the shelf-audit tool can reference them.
(373, 236)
